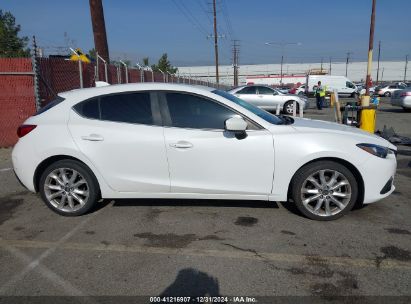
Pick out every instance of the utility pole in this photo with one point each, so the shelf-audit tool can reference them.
(35, 46)
(405, 70)
(330, 65)
(378, 62)
(322, 64)
(215, 43)
(235, 62)
(346, 63)
(99, 28)
(367, 114)
(370, 48)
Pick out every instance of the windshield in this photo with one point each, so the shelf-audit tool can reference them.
(255, 110)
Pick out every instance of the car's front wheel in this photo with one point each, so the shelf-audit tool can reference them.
(69, 188)
(324, 190)
(288, 107)
(387, 94)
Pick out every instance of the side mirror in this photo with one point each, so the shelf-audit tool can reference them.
(236, 124)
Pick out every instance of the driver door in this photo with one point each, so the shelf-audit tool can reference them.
(204, 158)
(269, 98)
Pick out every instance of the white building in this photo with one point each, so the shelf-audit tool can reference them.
(389, 71)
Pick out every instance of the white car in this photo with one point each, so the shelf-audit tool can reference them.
(402, 98)
(301, 90)
(388, 90)
(158, 140)
(268, 98)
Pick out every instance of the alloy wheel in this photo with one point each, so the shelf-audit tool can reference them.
(289, 108)
(66, 189)
(326, 193)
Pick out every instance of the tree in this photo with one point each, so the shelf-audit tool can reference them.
(92, 54)
(11, 45)
(164, 65)
(146, 61)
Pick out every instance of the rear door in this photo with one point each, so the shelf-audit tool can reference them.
(122, 135)
(248, 94)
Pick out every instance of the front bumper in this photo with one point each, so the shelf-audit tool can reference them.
(378, 176)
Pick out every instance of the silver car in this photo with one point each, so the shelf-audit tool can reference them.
(268, 98)
(402, 98)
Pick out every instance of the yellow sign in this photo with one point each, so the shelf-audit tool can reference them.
(80, 56)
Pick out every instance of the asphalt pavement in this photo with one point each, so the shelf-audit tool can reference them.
(208, 248)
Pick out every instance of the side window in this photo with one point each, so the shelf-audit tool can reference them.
(392, 87)
(129, 108)
(349, 85)
(265, 91)
(190, 111)
(247, 90)
(89, 108)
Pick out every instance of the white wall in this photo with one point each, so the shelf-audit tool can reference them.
(393, 70)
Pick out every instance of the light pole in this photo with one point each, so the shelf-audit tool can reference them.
(405, 69)
(282, 44)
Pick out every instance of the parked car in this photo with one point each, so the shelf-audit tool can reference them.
(301, 90)
(268, 98)
(284, 90)
(362, 90)
(402, 98)
(159, 140)
(389, 89)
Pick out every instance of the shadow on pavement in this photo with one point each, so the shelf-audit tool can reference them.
(192, 283)
(191, 203)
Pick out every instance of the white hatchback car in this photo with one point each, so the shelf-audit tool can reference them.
(158, 140)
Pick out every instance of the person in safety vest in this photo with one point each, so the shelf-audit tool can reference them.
(319, 91)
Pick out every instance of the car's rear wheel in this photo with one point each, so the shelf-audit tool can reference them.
(288, 107)
(324, 190)
(387, 94)
(69, 188)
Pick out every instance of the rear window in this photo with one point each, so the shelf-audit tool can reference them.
(51, 104)
(125, 107)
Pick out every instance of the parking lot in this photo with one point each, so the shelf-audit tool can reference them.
(199, 248)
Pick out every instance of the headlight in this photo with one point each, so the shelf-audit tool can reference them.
(375, 149)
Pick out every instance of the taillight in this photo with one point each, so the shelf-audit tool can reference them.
(403, 94)
(24, 130)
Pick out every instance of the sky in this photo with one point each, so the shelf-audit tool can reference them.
(149, 28)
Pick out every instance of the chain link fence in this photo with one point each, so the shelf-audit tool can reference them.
(27, 84)
(55, 75)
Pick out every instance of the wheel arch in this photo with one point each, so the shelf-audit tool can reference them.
(52, 159)
(343, 162)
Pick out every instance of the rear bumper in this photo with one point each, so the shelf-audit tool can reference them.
(24, 165)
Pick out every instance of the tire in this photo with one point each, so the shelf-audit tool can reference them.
(73, 187)
(387, 94)
(288, 107)
(302, 188)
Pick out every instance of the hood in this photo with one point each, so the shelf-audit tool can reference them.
(319, 126)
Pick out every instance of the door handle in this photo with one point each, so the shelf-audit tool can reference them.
(93, 137)
(181, 145)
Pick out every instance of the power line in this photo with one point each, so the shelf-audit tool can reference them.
(190, 17)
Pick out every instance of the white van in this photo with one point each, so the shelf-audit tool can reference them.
(342, 84)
